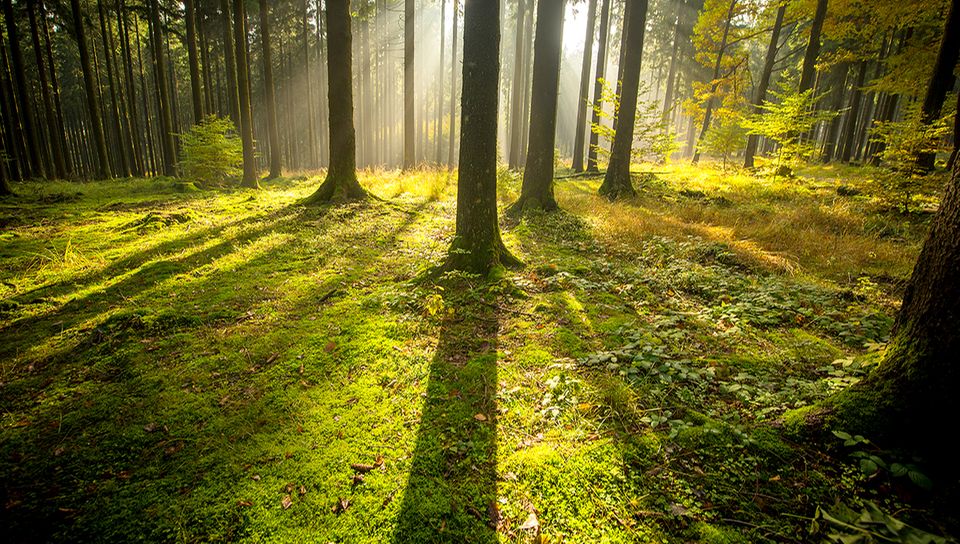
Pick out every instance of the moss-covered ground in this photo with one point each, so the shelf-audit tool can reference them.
(228, 365)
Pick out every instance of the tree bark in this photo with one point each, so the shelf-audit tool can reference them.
(764, 83)
(580, 127)
(616, 182)
(121, 148)
(230, 64)
(853, 113)
(135, 131)
(477, 246)
(273, 131)
(708, 115)
(942, 79)
(598, 86)
(193, 59)
(516, 91)
(409, 77)
(243, 93)
(453, 88)
(671, 73)
(537, 188)
(34, 162)
(167, 150)
(341, 181)
(53, 129)
(96, 125)
(809, 71)
(443, 41)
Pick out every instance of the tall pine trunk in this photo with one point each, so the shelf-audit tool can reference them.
(118, 133)
(167, 149)
(453, 88)
(853, 113)
(616, 182)
(537, 188)
(53, 130)
(764, 83)
(273, 132)
(580, 127)
(193, 59)
(230, 64)
(243, 92)
(598, 86)
(516, 91)
(443, 39)
(35, 161)
(409, 75)
(93, 109)
(809, 71)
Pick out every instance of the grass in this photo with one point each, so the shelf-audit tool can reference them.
(229, 365)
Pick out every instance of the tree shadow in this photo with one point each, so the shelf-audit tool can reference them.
(451, 492)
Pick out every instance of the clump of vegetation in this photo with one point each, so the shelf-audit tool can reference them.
(653, 137)
(786, 120)
(212, 151)
(726, 137)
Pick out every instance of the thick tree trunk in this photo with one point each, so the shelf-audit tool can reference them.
(13, 137)
(341, 182)
(167, 150)
(580, 128)
(243, 92)
(537, 189)
(616, 182)
(453, 89)
(942, 79)
(53, 130)
(477, 246)
(409, 79)
(35, 162)
(96, 125)
(193, 59)
(809, 70)
(764, 83)
(273, 132)
(598, 86)
(708, 115)
(516, 91)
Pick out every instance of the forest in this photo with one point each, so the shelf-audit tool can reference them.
(525, 271)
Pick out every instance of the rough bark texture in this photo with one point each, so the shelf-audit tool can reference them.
(123, 151)
(537, 188)
(597, 86)
(477, 246)
(764, 83)
(167, 151)
(850, 126)
(616, 182)
(193, 59)
(809, 71)
(341, 181)
(904, 401)
(96, 125)
(273, 134)
(671, 73)
(243, 92)
(453, 89)
(942, 79)
(409, 75)
(580, 127)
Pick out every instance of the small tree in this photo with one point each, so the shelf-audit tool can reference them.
(212, 151)
(726, 137)
(653, 138)
(784, 120)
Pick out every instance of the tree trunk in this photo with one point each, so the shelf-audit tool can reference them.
(443, 40)
(809, 71)
(837, 90)
(53, 129)
(35, 162)
(942, 79)
(598, 86)
(580, 127)
(243, 93)
(707, 116)
(13, 136)
(537, 189)
(671, 73)
(193, 60)
(167, 150)
(273, 132)
(516, 91)
(341, 182)
(616, 182)
(132, 115)
(96, 125)
(230, 62)
(453, 88)
(853, 113)
(477, 246)
(764, 83)
(409, 75)
(151, 148)
(122, 151)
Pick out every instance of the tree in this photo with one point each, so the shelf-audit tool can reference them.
(477, 246)
(22, 96)
(453, 87)
(190, 14)
(53, 130)
(273, 133)
(598, 85)
(516, 90)
(341, 182)
(715, 82)
(93, 109)
(537, 188)
(409, 76)
(243, 92)
(764, 83)
(782, 121)
(584, 88)
(616, 182)
(942, 79)
(809, 70)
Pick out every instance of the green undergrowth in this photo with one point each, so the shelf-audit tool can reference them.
(231, 366)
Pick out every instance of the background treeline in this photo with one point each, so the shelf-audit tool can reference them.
(103, 88)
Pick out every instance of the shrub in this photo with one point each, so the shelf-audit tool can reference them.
(653, 139)
(212, 151)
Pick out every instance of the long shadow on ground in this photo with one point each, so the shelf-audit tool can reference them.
(451, 492)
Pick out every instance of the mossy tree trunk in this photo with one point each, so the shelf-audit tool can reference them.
(537, 189)
(616, 182)
(341, 181)
(905, 401)
(477, 246)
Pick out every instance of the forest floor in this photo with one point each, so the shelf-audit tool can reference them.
(228, 365)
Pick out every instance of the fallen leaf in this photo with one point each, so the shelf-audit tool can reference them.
(480, 417)
(150, 427)
(273, 357)
(244, 504)
(341, 505)
(531, 523)
(360, 467)
(286, 502)
(302, 490)
(775, 478)
(255, 477)
(330, 346)
(356, 480)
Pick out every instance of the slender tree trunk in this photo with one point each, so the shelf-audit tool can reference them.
(151, 148)
(135, 131)
(122, 151)
(193, 59)
(341, 181)
(477, 246)
(809, 70)
(707, 116)
(61, 133)
(853, 112)
(616, 182)
(537, 188)
(764, 83)
(443, 40)
(580, 128)
(243, 88)
(13, 136)
(273, 132)
(35, 161)
(598, 86)
(516, 99)
(230, 61)
(206, 73)
(831, 143)
(527, 85)
(167, 150)
(671, 73)
(942, 79)
(620, 63)
(453, 87)
(127, 135)
(53, 130)
(409, 75)
(96, 125)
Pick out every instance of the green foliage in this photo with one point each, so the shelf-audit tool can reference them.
(903, 141)
(785, 119)
(212, 152)
(844, 525)
(726, 137)
(653, 138)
